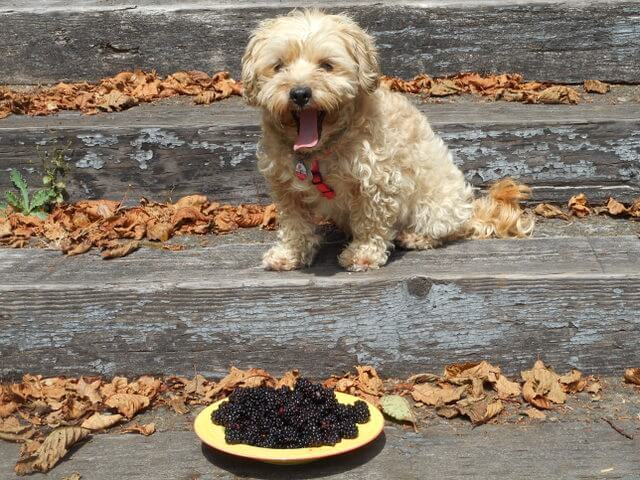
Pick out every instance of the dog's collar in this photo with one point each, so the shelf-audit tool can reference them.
(316, 176)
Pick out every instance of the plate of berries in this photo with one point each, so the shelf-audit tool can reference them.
(288, 425)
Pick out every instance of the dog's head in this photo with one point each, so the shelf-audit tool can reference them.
(306, 70)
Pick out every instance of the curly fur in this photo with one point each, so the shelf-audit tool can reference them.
(394, 178)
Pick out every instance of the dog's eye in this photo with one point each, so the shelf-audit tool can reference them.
(326, 66)
(277, 67)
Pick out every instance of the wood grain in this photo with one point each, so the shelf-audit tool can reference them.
(172, 148)
(554, 41)
(572, 301)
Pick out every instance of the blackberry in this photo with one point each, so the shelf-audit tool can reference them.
(308, 415)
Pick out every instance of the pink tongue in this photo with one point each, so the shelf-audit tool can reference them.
(308, 134)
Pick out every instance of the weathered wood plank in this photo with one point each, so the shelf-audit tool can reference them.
(173, 148)
(565, 299)
(493, 452)
(554, 41)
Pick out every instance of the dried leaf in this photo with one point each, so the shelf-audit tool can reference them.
(578, 205)
(447, 411)
(423, 377)
(52, 450)
(444, 87)
(121, 250)
(542, 387)
(128, 404)
(73, 476)
(99, 421)
(178, 405)
(506, 388)
(481, 411)
(160, 232)
(549, 211)
(398, 408)
(289, 379)
(12, 425)
(559, 94)
(535, 413)
(596, 86)
(436, 395)
(8, 408)
(616, 208)
(146, 430)
(116, 101)
(632, 375)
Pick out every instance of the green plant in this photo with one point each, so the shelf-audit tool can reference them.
(54, 169)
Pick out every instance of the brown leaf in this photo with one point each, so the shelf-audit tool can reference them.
(5, 228)
(423, 377)
(506, 388)
(8, 408)
(549, 211)
(596, 86)
(116, 101)
(52, 450)
(161, 231)
(447, 411)
(289, 379)
(89, 390)
(78, 248)
(146, 430)
(73, 476)
(178, 405)
(269, 217)
(121, 250)
(535, 413)
(616, 208)
(559, 94)
(573, 382)
(17, 437)
(99, 421)
(632, 375)
(480, 412)
(436, 395)
(578, 205)
(12, 425)
(542, 386)
(128, 404)
(443, 88)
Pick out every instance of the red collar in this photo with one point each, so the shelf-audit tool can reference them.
(316, 176)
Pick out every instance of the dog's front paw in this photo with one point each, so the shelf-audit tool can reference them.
(280, 258)
(363, 257)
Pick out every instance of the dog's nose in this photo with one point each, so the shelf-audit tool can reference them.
(300, 95)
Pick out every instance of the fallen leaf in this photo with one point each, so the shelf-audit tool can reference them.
(632, 375)
(289, 379)
(542, 387)
(447, 411)
(596, 86)
(160, 232)
(73, 476)
(128, 404)
(423, 377)
(52, 450)
(535, 413)
(436, 395)
(120, 250)
(8, 408)
(12, 425)
(559, 94)
(99, 421)
(506, 388)
(178, 405)
(549, 211)
(578, 205)
(116, 101)
(616, 208)
(398, 408)
(444, 87)
(146, 430)
(481, 411)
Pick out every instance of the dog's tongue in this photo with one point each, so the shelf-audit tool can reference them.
(308, 133)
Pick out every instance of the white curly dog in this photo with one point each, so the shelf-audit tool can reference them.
(338, 146)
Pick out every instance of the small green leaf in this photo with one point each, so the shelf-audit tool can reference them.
(13, 201)
(40, 199)
(19, 182)
(398, 408)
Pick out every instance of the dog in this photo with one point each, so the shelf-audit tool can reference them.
(337, 145)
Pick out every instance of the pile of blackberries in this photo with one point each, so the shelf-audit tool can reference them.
(307, 416)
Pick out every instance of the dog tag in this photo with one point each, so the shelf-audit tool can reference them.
(301, 170)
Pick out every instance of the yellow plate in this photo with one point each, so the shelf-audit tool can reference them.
(213, 435)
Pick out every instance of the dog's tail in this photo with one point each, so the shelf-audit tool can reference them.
(499, 214)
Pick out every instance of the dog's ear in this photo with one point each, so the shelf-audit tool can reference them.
(364, 51)
(249, 73)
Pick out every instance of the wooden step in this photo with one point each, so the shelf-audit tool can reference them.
(570, 300)
(173, 148)
(561, 450)
(52, 40)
